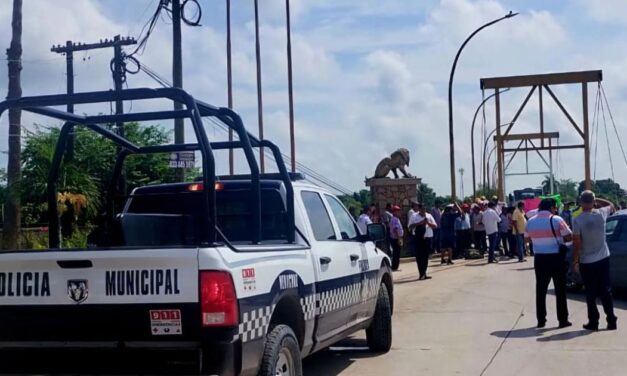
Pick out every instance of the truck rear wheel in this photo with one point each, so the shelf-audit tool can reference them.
(379, 333)
(281, 355)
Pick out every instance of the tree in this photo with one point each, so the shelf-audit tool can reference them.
(485, 191)
(353, 206)
(567, 189)
(89, 172)
(355, 202)
(3, 185)
(605, 188)
(426, 195)
(546, 185)
(365, 197)
(12, 209)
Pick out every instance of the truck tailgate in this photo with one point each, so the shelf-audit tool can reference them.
(105, 296)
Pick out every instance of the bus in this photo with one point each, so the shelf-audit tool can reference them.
(522, 194)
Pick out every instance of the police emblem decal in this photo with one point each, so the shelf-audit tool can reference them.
(77, 290)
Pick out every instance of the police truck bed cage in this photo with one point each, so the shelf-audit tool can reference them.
(294, 176)
(194, 110)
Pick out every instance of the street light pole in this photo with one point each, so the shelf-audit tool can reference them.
(450, 98)
(472, 141)
(485, 147)
(488, 166)
(461, 182)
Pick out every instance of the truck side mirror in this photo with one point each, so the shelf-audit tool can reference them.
(376, 232)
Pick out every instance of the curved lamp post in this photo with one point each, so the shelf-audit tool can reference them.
(450, 98)
(472, 140)
(485, 147)
(489, 176)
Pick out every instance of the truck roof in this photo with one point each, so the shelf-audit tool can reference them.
(197, 186)
(267, 181)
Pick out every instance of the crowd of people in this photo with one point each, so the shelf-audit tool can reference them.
(452, 231)
(548, 233)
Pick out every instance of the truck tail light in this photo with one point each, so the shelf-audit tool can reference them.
(199, 187)
(218, 300)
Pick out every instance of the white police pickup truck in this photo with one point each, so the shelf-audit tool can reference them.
(287, 275)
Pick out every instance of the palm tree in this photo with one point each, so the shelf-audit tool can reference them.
(567, 189)
(546, 185)
(12, 210)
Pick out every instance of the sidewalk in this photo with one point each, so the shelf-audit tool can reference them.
(479, 319)
(408, 269)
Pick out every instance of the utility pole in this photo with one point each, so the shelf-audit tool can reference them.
(229, 78)
(118, 67)
(461, 182)
(69, 69)
(259, 96)
(13, 206)
(177, 77)
(289, 85)
(118, 80)
(118, 77)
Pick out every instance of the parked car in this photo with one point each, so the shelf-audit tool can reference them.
(616, 234)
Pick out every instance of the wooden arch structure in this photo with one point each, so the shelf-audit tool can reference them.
(541, 83)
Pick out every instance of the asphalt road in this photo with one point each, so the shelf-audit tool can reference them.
(479, 319)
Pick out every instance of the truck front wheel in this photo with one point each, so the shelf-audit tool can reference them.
(379, 333)
(281, 355)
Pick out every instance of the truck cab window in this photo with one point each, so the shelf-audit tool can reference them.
(347, 226)
(175, 218)
(318, 216)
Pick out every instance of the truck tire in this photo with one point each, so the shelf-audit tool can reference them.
(379, 333)
(281, 355)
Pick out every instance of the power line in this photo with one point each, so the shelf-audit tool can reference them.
(620, 143)
(307, 170)
(607, 140)
(155, 76)
(147, 30)
(595, 130)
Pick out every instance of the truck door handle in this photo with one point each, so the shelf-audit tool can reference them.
(354, 257)
(75, 264)
(325, 260)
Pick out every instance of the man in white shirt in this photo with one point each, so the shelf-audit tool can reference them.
(411, 212)
(498, 206)
(422, 225)
(491, 221)
(363, 221)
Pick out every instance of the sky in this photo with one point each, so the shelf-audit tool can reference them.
(370, 76)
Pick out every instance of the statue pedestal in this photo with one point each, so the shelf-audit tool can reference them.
(399, 192)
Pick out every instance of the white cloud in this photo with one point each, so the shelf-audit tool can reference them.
(393, 78)
(614, 11)
(365, 84)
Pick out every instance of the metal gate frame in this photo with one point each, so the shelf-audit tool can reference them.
(540, 82)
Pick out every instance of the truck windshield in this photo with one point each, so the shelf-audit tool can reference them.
(168, 219)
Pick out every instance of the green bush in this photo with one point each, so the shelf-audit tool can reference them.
(78, 239)
(38, 238)
(34, 239)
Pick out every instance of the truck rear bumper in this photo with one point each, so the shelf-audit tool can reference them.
(119, 357)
